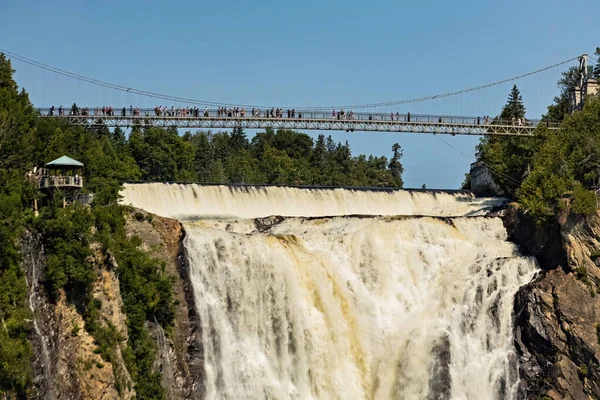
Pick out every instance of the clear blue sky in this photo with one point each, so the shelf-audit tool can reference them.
(309, 53)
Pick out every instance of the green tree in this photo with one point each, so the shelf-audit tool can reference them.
(277, 167)
(569, 80)
(560, 109)
(395, 166)
(596, 72)
(204, 156)
(18, 148)
(261, 141)
(514, 107)
(238, 140)
(509, 159)
(296, 145)
(566, 165)
(17, 122)
(466, 184)
(319, 153)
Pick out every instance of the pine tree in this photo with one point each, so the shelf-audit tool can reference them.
(320, 152)
(514, 107)
(17, 122)
(395, 166)
(238, 140)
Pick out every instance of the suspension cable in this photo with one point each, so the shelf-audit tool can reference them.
(219, 104)
(506, 176)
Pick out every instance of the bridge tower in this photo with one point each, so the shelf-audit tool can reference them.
(587, 86)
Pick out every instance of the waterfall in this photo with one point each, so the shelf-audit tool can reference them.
(32, 250)
(164, 359)
(352, 308)
(409, 298)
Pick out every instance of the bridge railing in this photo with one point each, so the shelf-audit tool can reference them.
(298, 115)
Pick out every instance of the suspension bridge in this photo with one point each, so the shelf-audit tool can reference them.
(200, 114)
(302, 120)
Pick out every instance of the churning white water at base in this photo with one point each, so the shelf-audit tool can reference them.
(186, 201)
(356, 308)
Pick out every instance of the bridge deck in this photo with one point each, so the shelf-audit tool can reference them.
(311, 120)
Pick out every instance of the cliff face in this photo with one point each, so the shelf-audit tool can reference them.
(67, 363)
(557, 330)
(177, 350)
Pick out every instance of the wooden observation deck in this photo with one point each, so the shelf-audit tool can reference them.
(63, 175)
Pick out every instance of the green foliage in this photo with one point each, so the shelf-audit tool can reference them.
(67, 237)
(145, 289)
(510, 158)
(569, 80)
(75, 330)
(16, 121)
(581, 271)
(514, 107)
(584, 201)
(147, 295)
(553, 165)
(283, 157)
(466, 184)
(395, 167)
(567, 164)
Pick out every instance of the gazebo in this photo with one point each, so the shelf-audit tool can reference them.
(63, 174)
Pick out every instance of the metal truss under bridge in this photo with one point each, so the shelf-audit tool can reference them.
(303, 120)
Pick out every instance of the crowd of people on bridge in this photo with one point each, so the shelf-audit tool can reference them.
(164, 111)
(278, 113)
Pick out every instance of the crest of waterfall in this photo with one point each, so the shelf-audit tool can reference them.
(188, 201)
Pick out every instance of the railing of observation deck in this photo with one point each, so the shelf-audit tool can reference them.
(60, 181)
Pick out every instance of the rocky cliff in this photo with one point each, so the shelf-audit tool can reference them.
(162, 238)
(67, 362)
(557, 331)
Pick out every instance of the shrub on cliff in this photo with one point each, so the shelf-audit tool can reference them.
(567, 164)
(584, 201)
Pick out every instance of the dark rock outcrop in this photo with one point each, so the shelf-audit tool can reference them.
(557, 316)
(180, 354)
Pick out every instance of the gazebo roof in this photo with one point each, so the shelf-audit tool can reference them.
(64, 161)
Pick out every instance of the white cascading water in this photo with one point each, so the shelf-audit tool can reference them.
(350, 307)
(197, 201)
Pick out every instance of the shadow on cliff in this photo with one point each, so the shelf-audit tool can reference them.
(557, 316)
